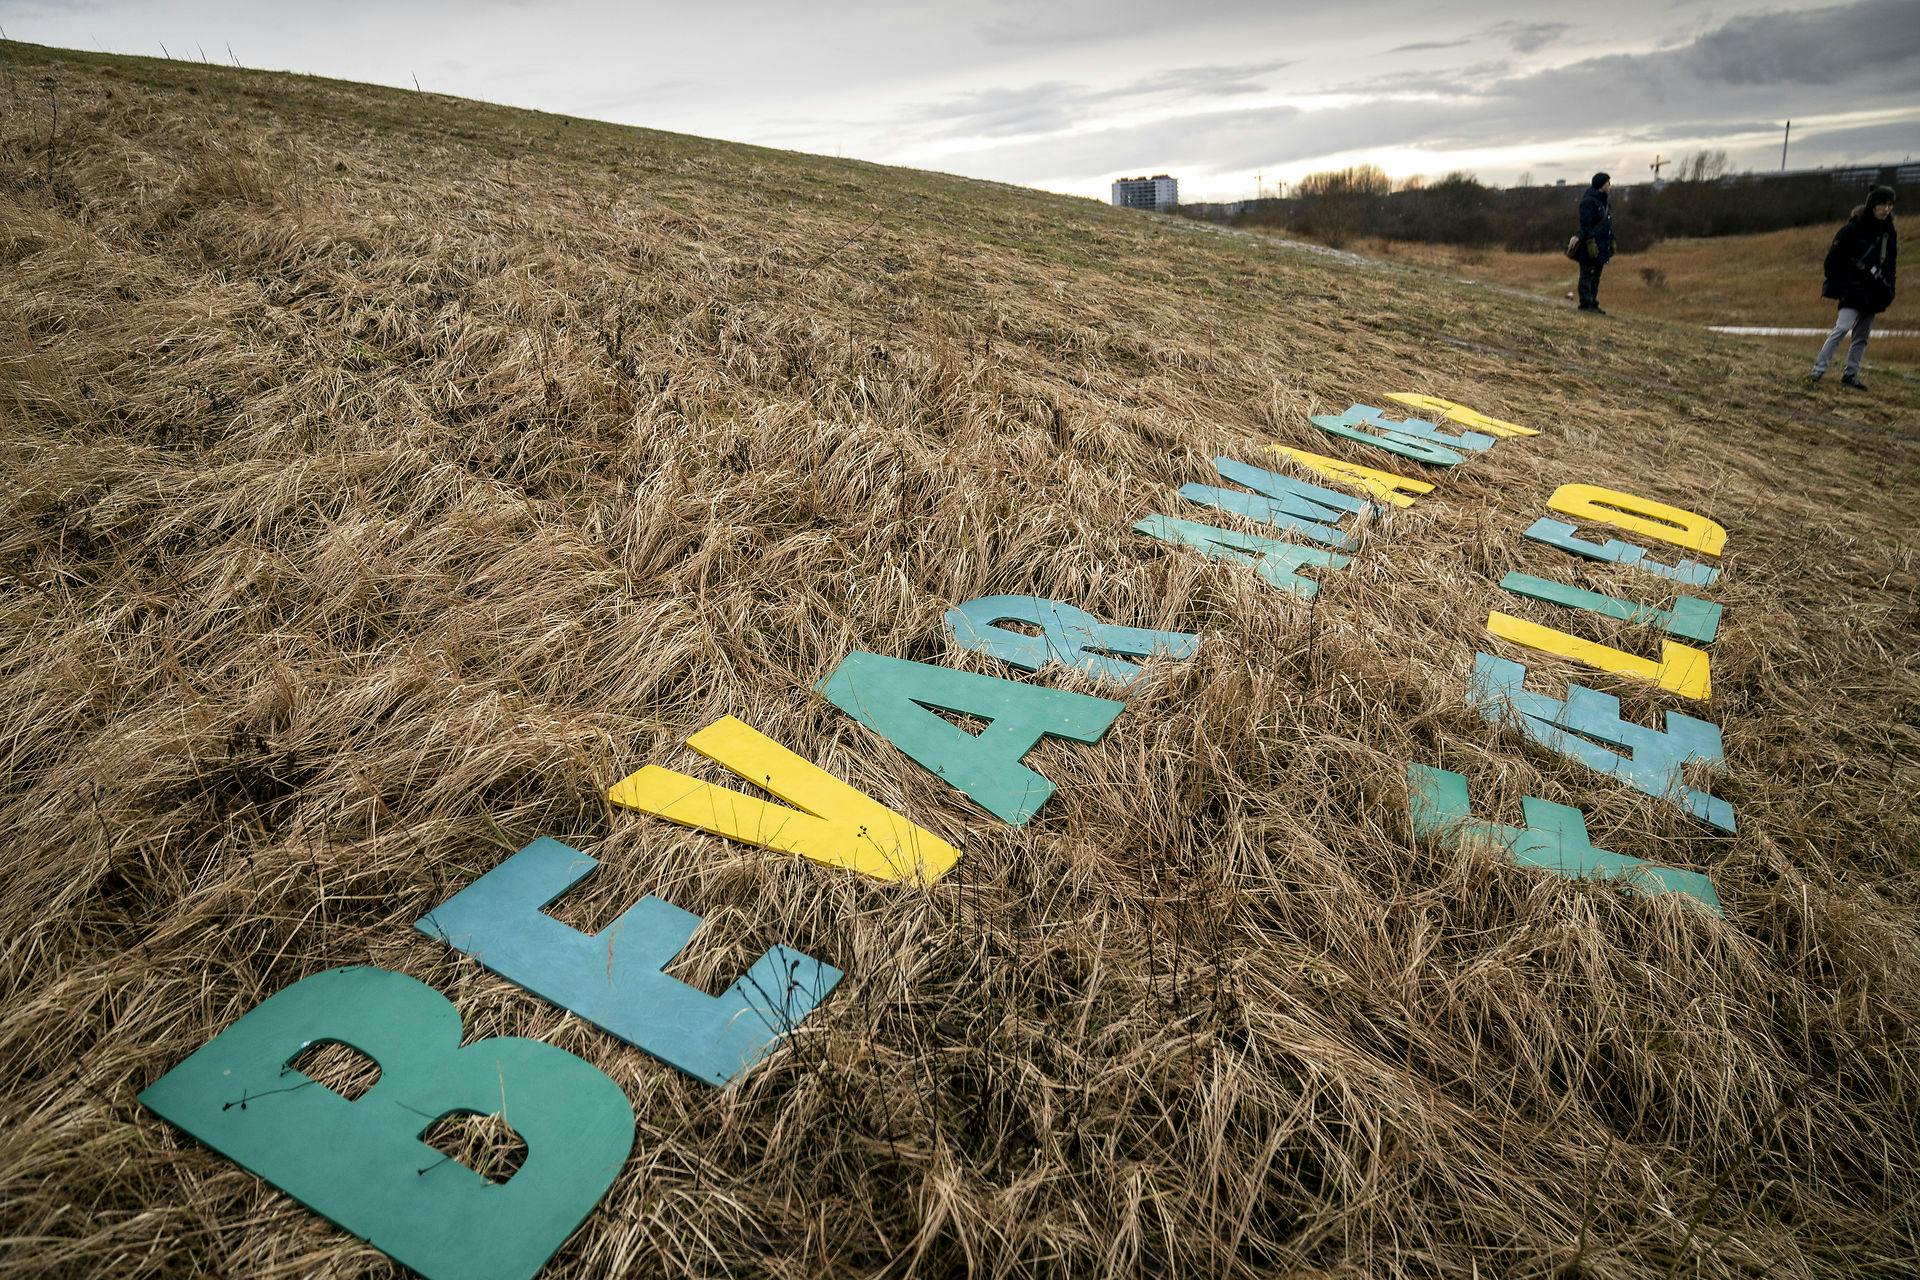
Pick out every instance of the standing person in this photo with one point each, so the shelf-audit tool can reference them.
(1596, 240)
(1860, 278)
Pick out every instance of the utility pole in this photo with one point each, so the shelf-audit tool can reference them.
(1783, 146)
(1657, 165)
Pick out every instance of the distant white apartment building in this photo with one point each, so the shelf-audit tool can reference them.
(1157, 192)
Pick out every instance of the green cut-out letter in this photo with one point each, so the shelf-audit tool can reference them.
(1690, 618)
(362, 1164)
(1558, 533)
(1280, 501)
(1392, 441)
(1275, 560)
(891, 696)
(1554, 839)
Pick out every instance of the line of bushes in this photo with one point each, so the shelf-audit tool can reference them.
(1337, 207)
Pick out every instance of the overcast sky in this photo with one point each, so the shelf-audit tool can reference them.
(1070, 94)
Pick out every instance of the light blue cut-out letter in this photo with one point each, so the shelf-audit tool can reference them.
(1690, 618)
(1558, 533)
(1275, 560)
(1392, 441)
(613, 978)
(1280, 501)
(1417, 428)
(1579, 727)
(891, 696)
(362, 1163)
(1554, 839)
(1069, 636)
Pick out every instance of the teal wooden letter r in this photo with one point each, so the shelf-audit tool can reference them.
(613, 978)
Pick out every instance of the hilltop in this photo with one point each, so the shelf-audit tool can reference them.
(387, 476)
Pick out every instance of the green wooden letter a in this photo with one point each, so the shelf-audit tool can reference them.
(891, 696)
(362, 1163)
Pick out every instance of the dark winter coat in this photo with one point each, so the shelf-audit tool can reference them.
(1860, 265)
(1596, 226)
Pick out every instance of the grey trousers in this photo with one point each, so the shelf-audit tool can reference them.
(1862, 326)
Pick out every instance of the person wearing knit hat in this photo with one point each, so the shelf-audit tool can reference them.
(1594, 245)
(1860, 276)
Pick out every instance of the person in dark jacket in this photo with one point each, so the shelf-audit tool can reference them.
(1860, 268)
(1596, 240)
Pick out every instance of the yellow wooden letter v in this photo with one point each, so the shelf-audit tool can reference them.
(831, 822)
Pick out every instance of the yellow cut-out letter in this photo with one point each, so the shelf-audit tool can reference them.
(1682, 669)
(831, 822)
(1644, 516)
(1384, 485)
(1461, 414)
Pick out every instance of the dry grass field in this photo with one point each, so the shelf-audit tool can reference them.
(385, 475)
(1770, 280)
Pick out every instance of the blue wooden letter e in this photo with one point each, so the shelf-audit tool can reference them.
(613, 978)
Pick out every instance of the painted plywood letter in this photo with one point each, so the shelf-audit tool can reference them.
(1461, 414)
(1649, 519)
(1072, 637)
(1383, 485)
(1587, 727)
(1558, 533)
(1276, 561)
(1553, 839)
(1690, 618)
(362, 1164)
(613, 978)
(830, 823)
(1280, 501)
(1680, 669)
(1405, 446)
(891, 696)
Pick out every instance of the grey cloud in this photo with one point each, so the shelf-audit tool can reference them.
(1055, 105)
(1701, 129)
(1717, 77)
(1817, 46)
(1420, 46)
(1866, 143)
(1529, 37)
(1065, 24)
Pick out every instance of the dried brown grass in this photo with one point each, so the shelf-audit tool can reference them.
(386, 475)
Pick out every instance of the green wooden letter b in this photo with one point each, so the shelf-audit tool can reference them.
(362, 1164)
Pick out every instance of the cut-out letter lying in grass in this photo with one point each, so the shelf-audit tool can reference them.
(1578, 728)
(1558, 533)
(1418, 428)
(891, 696)
(1276, 561)
(1554, 839)
(1407, 446)
(1680, 668)
(830, 822)
(1690, 618)
(1460, 413)
(1382, 485)
(363, 1165)
(1644, 516)
(613, 978)
(1069, 636)
(1280, 501)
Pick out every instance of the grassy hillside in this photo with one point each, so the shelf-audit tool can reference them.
(386, 475)
(1771, 280)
